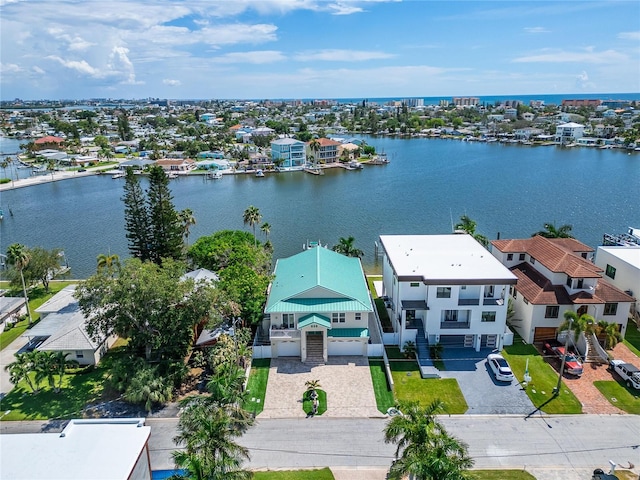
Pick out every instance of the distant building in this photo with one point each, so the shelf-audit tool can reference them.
(48, 142)
(288, 153)
(466, 101)
(569, 132)
(589, 102)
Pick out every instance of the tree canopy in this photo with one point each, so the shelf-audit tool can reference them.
(550, 231)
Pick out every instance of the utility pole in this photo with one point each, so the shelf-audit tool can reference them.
(556, 391)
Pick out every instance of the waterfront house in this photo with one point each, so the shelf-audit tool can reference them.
(621, 266)
(48, 141)
(567, 133)
(288, 153)
(176, 164)
(445, 289)
(318, 305)
(556, 275)
(11, 308)
(137, 164)
(328, 152)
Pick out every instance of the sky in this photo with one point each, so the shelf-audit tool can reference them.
(246, 49)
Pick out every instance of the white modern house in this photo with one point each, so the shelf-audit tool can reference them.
(97, 449)
(621, 267)
(318, 305)
(567, 133)
(445, 289)
(555, 275)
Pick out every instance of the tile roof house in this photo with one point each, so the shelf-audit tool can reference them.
(318, 305)
(556, 275)
(176, 164)
(328, 152)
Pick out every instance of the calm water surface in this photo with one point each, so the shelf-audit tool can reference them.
(508, 189)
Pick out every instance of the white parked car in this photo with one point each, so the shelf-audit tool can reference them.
(630, 374)
(500, 367)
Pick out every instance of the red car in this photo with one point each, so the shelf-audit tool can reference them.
(572, 363)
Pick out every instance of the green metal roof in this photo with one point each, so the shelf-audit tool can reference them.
(314, 318)
(318, 279)
(349, 332)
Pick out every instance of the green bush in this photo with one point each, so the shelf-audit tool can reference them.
(4, 180)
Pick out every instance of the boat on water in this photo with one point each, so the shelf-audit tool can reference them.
(629, 239)
(314, 170)
(216, 175)
(259, 173)
(118, 175)
(172, 175)
(379, 159)
(354, 165)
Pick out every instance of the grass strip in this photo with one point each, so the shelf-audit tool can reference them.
(257, 385)
(384, 395)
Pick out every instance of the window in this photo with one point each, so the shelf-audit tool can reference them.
(463, 287)
(450, 315)
(569, 281)
(488, 291)
(509, 256)
(521, 257)
(358, 316)
(79, 354)
(515, 293)
(338, 317)
(414, 284)
(525, 300)
(443, 292)
(610, 271)
(288, 320)
(610, 308)
(533, 260)
(488, 316)
(580, 282)
(551, 311)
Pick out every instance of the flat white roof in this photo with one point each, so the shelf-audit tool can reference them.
(630, 255)
(444, 259)
(86, 449)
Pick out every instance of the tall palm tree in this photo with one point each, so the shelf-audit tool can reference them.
(109, 262)
(252, 217)
(346, 247)
(577, 324)
(266, 229)
(314, 146)
(425, 451)
(550, 231)
(18, 256)
(187, 220)
(468, 225)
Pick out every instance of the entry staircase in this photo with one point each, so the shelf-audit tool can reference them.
(427, 369)
(314, 350)
(593, 352)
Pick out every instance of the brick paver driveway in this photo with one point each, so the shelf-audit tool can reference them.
(584, 390)
(346, 380)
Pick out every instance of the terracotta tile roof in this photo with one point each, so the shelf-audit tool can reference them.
(533, 286)
(326, 142)
(610, 294)
(555, 254)
(48, 139)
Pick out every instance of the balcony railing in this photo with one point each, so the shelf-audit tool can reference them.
(283, 333)
(493, 301)
(468, 301)
(455, 325)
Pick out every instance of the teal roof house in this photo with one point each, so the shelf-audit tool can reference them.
(318, 305)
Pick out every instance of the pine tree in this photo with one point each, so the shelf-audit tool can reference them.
(136, 217)
(164, 221)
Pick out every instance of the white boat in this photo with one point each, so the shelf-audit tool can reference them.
(172, 175)
(354, 165)
(118, 175)
(214, 175)
(259, 173)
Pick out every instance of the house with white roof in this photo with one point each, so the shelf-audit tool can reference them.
(318, 305)
(621, 266)
(569, 132)
(555, 275)
(97, 449)
(288, 153)
(445, 289)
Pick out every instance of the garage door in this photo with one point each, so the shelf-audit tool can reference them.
(452, 340)
(345, 347)
(544, 333)
(288, 349)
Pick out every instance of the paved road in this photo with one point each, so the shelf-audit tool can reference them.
(555, 447)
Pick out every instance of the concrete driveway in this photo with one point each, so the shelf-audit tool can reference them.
(484, 395)
(347, 381)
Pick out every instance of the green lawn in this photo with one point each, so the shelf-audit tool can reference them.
(77, 391)
(632, 338)
(257, 385)
(384, 396)
(324, 474)
(37, 296)
(500, 475)
(619, 395)
(307, 405)
(543, 379)
(409, 386)
(394, 353)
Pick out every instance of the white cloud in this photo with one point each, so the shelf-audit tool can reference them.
(254, 57)
(38, 70)
(341, 56)
(586, 56)
(171, 82)
(9, 68)
(536, 30)
(80, 66)
(582, 81)
(629, 35)
(342, 8)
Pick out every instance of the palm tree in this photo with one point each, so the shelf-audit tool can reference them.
(109, 262)
(550, 231)
(345, 247)
(425, 451)
(18, 256)
(467, 225)
(187, 220)
(584, 323)
(252, 217)
(611, 332)
(20, 369)
(266, 229)
(314, 146)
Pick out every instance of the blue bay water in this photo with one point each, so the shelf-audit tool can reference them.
(429, 183)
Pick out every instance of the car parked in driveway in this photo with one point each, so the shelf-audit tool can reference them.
(629, 373)
(572, 363)
(500, 367)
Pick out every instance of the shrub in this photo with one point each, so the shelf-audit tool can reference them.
(4, 180)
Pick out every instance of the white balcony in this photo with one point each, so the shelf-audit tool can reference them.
(283, 333)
